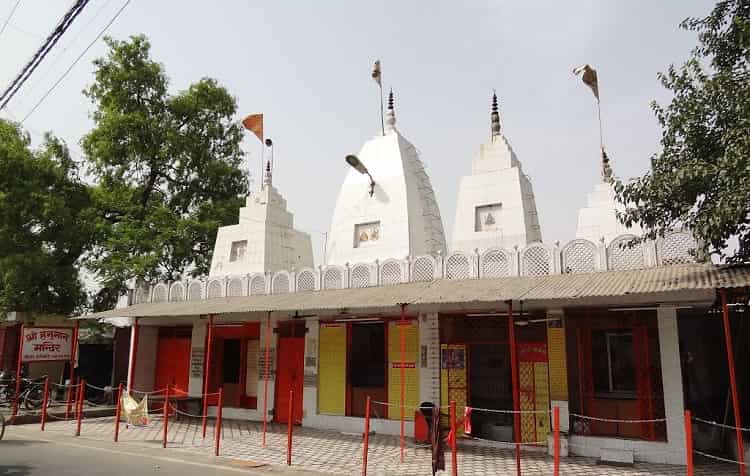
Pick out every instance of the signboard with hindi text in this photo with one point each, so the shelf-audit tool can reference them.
(47, 343)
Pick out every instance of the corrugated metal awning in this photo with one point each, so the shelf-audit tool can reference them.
(689, 283)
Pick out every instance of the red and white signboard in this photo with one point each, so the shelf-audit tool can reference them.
(47, 343)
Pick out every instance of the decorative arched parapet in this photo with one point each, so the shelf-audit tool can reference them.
(363, 275)
(235, 287)
(159, 293)
(495, 263)
(306, 280)
(579, 256)
(676, 247)
(392, 271)
(333, 277)
(460, 265)
(280, 283)
(423, 268)
(141, 295)
(257, 284)
(195, 290)
(537, 260)
(177, 292)
(215, 289)
(624, 253)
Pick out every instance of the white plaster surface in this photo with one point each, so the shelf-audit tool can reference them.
(599, 217)
(272, 241)
(403, 202)
(496, 178)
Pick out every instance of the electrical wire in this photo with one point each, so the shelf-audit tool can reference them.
(83, 53)
(42, 52)
(7, 20)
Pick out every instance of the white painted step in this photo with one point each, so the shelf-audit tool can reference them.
(616, 456)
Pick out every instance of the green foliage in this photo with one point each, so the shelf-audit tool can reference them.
(45, 217)
(701, 177)
(167, 167)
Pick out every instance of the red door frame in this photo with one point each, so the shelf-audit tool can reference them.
(280, 414)
(172, 331)
(244, 331)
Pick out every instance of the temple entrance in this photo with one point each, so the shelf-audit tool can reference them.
(367, 366)
(173, 358)
(234, 365)
(490, 387)
(290, 374)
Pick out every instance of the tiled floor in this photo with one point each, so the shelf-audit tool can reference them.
(337, 453)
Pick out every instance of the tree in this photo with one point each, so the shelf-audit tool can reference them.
(45, 225)
(701, 177)
(167, 167)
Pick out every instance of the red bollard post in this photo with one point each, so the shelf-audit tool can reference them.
(79, 405)
(367, 437)
(217, 428)
(689, 442)
(118, 412)
(289, 429)
(556, 451)
(452, 442)
(166, 418)
(45, 399)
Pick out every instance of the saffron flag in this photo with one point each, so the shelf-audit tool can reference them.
(589, 78)
(254, 124)
(377, 75)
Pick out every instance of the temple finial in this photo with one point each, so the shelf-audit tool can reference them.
(267, 181)
(606, 168)
(390, 116)
(495, 117)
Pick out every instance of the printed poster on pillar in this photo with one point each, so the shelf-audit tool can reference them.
(46, 344)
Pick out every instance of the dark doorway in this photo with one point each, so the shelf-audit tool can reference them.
(490, 387)
(367, 366)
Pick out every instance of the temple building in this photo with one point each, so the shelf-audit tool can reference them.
(264, 240)
(399, 218)
(496, 206)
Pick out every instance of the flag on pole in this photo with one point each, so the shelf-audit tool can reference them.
(254, 124)
(376, 73)
(589, 78)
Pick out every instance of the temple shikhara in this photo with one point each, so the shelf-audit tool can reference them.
(498, 318)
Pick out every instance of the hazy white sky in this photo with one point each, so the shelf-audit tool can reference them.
(306, 65)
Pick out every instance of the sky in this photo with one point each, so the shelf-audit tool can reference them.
(306, 65)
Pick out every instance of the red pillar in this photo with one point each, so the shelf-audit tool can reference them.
(217, 428)
(166, 418)
(73, 352)
(45, 399)
(18, 373)
(733, 382)
(266, 365)
(289, 429)
(452, 442)
(79, 405)
(207, 369)
(118, 412)
(401, 330)
(366, 437)
(556, 450)
(514, 379)
(133, 355)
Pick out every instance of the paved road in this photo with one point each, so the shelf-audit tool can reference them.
(24, 452)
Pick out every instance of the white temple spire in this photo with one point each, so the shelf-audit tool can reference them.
(495, 118)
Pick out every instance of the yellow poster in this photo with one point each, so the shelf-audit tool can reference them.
(411, 372)
(332, 369)
(558, 370)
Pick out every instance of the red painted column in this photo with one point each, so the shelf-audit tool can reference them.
(556, 450)
(45, 399)
(452, 442)
(289, 429)
(118, 412)
(514, 379)
(166, 418)
(79, 405)
(733, 382)
(18, 373)
(217, 428)
(402, 343)
(366, 437)
(266, 365)
(207, 369)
